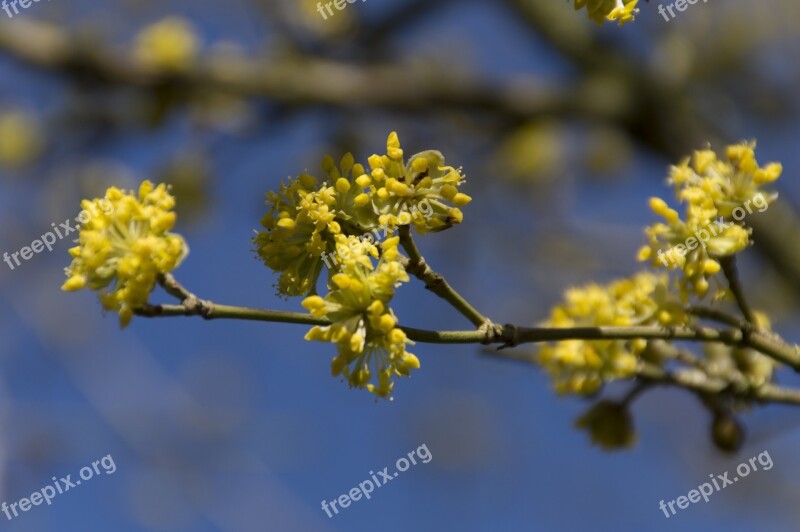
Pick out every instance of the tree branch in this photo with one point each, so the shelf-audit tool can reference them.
(505, 335)
(695, 381)
(717, 315)
(299, 80)
(729, 269)
(435, 282)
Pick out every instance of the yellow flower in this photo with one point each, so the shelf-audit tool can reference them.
(731, 185)
(581, 366)
(170, 44)
(371, 348)
(305, 216)
(20, 139)
(621, 11)
(423, 192)
(719, 195)
(123, 247)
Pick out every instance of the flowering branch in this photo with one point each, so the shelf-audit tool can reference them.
(507, 335)
(623, 330)
(690, 379)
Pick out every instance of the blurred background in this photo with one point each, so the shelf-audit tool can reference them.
(563, 128)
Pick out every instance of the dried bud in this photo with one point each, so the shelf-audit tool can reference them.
(727, 433)
(609, 424)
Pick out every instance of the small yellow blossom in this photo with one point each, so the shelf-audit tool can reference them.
(599, 11)
(123, 247)
(718, 195)
(581, 366)
(170, 44)
(401, 190)
(304, 218)
(371, 348)
(20, 139)
(307, 214)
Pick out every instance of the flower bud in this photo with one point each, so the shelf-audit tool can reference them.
(727, 433)
(609, 424)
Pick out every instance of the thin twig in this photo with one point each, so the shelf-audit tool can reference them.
(729, 269)
(435, 282)
(716, 315)
(299, 80)
(520, 335)
(635, 391)
(695, 381)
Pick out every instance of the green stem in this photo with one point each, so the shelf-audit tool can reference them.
(716, 315)
(690, 380)
(507, 335)
(435, 282)
(729, 269)
(639, 388)
(487, 333)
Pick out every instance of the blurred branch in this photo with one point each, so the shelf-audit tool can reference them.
(399, 18)
(695, 381)
(654, 112)
(691, 379)
(775, 234)
(298, 80)
(663, 119)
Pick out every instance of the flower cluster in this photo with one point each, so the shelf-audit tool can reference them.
(371, 348)
(581, 366)
(170, 44)
(123, 249)
(398, 189)
(20, 139)
(620, 11)
(309, 219)
(718, 194)
(306, 214)
(755, 368)
(300, 226)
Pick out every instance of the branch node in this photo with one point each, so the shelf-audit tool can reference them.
(492, 332)
(206, 309)
(510, 336)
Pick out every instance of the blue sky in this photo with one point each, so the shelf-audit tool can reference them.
(239, 426)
